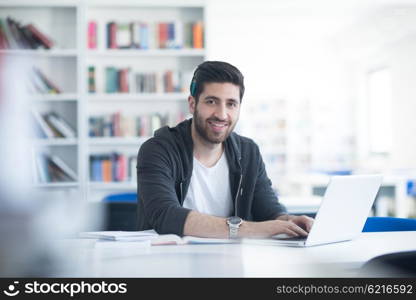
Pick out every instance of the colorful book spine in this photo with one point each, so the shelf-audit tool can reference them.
(112, 167)
(112, 33)
(96, 169)
(92, 35)
(60, 125)
(91, 79)
(107, 170)
(123, 80)
(170, 40)
(15, 36)
(144, 36)
(178, 39)
(135, 38)
(198, 35)
(111, 80)
(42, 83)
(51, 168)
(4, 43)
(42, 38)
(163, 35)
(123, 36)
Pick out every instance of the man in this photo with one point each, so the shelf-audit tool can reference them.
(202, 179)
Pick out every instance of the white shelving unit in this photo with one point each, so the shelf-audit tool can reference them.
(66, 23)
(111, 141)
(135, 97)
(59, 20)
(42, 53)
(143, 60)
(56, 97)
(56, 142)
(146, 53)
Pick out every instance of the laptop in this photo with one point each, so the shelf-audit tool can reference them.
(342, 213)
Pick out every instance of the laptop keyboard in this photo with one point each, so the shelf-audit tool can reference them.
(297, 238)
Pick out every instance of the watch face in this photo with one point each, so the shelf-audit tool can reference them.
(234, 220)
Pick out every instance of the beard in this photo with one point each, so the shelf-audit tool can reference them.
(203, 130)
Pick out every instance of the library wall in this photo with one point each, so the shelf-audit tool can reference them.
(384, 39)
(288, 57)
(398, 56)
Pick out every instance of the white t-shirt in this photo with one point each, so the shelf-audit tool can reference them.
(209, 191)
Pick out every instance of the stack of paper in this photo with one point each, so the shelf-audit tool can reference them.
(152, 236)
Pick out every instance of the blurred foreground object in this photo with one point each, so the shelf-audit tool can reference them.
(28, 222)
(399, 264)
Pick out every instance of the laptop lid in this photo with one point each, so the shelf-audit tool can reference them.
(344, 208)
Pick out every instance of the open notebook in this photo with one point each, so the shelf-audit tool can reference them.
(152, 236)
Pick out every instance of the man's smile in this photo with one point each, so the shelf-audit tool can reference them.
(217, 126)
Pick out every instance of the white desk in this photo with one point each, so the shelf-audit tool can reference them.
(236, 260)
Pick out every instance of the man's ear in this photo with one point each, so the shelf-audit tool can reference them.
(191, 104)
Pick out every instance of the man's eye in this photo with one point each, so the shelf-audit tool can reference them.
(210, 101)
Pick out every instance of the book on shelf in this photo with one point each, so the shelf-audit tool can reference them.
(139, 35)
(107, 174)
(111, 79)
(59, 123)
(123, 36)
(44, 40)
(158, 35)
(13, 35)
(163, 35)
(4, 43)
(118, 125)
(92, 35)
(51, 168)
(152, 236)
(42, 129)
(39, 83)
(111, 35)
(51, 125)
(113, 167)
(123, 80)
(43, 175)
(91, 79)
(198, 36)
(126, 80)
(57, 161)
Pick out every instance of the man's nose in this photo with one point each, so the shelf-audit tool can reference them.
(221, 112)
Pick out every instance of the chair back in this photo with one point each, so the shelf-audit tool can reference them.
(379, 224)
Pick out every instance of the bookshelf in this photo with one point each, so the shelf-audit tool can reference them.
(111, 141)
(55, 142)
(153, 59)
(41, 53)
(56, 97)
(67, 62)
(136, 97)
(144, 53)
(44, 35)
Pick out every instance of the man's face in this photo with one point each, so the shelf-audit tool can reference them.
(217, 111)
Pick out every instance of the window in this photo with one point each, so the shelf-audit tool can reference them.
(379, 108)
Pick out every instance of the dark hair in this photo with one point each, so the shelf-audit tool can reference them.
(215, 71)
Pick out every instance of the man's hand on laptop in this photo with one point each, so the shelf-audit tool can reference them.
(303, 221)
(272, 228)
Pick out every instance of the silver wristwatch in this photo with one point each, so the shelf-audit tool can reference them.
(233, 224)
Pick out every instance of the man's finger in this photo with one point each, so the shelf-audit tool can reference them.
(305, 222)
(290, 232)
(297, 229)
(309, 225)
